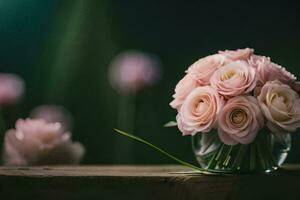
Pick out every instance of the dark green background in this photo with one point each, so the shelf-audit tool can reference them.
(62, 48)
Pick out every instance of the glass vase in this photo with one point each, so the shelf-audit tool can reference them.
(264, 155)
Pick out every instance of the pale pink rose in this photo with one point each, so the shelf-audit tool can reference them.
(239, 54)
(52, 114)
(132, 71)
(281, 106)
(204, 68)
(184, 87)
(235, 78)
(199, 111)
(240, 120)
(269, 71)
(36, 142)
(182, 128)
(11, 88)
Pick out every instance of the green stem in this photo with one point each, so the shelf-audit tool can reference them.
(261, 156)
(269, 154)
(212, 162)
(160, 150)
(220, 152)
(252, 157)
(228, 156)
(237, 163)
(125, 121)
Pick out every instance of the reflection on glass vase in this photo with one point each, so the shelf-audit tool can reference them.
(263, 155)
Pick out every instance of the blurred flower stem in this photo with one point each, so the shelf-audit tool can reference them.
(2, 124)
(62, 66)
(126, 119)
(2, 133)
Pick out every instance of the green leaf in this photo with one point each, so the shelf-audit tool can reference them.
(170, 124)
(161, 151)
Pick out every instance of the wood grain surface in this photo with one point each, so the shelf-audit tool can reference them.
(143, 182)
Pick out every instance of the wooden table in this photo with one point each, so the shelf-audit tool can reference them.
(142, 182)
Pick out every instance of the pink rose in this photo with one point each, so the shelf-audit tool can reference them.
(36, 142)
(239, 54)
(281, 106)
(269, 71)
(240, 120)
(235, 78)
(199, 111)
(204, 68)
(184, 87)
(11, 89)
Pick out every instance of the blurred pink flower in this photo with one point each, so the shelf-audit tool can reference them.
(132, 71)
(52, 114)
(11, 88)
(36, 142)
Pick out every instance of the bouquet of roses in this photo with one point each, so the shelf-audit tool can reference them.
(240, 103)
